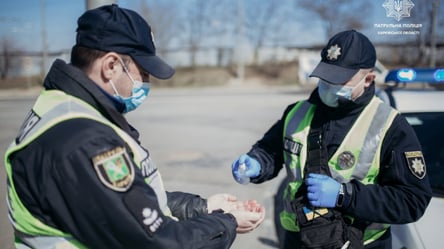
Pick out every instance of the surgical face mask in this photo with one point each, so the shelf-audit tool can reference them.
(139, 93)
(330, 93)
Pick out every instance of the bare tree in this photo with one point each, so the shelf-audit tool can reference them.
(197, 20)
(337, 15)
(264, 22)
(200, 23)
(426, 13)
(8, 48)
(7, 51)
(190, 26)
(164, 18)
(434, 22)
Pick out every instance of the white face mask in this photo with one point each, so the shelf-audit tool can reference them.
(330, 93)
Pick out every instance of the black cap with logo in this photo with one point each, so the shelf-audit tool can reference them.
(345, 53)
(113, 29)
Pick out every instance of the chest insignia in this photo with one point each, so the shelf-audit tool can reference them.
(346, 160)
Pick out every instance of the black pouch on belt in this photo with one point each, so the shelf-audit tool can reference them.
(322, 228)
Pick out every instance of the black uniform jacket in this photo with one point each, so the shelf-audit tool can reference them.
(55, 179)
(398, 195)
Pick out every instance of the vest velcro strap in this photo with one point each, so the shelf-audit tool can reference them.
(314, 139)
(316, 154)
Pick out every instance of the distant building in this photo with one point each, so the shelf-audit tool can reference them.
(28, 64)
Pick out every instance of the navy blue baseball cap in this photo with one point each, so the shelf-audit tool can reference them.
(113, 29)
(345, 54)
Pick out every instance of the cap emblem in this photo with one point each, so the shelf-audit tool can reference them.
(333, 52)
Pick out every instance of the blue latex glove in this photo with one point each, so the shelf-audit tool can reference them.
(244, 168)
(322, 190)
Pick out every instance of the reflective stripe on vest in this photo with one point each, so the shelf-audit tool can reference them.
(51, 108)
(24, 241)
(296, 129)
(356, 157)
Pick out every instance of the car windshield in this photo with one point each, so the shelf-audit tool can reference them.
(429, 127)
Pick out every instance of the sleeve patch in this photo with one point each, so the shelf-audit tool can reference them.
(115, 169)
(416, 163)
(143, 205)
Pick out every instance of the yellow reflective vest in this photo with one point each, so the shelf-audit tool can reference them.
(357, 157)
(51, 108)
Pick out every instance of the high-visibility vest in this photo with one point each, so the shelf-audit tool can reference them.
(357, 157)
(51, 108)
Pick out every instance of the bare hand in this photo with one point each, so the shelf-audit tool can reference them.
(225, 202)
(249, 215)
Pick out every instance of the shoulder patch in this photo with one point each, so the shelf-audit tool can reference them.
(416, 163)
(115, 169)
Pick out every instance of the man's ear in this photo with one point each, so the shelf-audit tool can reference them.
(369, 78)
(110, 65)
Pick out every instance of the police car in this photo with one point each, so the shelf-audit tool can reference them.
(417, 94)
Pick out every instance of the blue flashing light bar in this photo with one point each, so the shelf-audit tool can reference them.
(439, 75)
(406, 74)
(416, 75)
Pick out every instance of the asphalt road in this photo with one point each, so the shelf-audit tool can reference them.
(193, 136)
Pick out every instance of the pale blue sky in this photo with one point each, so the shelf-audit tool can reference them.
(21, 21)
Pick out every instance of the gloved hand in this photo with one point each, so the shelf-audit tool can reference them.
(322, 190)
(243, 175)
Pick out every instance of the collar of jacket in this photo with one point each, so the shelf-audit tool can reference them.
(73, 81)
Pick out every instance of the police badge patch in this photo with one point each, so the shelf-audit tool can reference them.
(115, 169)
(346, 160)
(416, 163)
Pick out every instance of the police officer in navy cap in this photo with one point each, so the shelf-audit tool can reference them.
(78, 176)
(354, 165)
